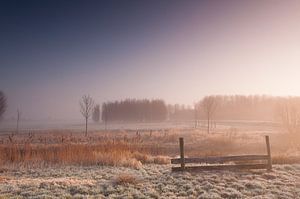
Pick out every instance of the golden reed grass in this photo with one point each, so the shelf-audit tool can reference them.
(120, 148)
(111, 153)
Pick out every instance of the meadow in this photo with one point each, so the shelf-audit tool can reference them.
(136, 164)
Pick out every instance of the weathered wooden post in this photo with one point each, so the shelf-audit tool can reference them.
(181, 146)
(269, 153)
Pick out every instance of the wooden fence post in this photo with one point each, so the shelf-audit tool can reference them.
(181, 146)
(269, 153)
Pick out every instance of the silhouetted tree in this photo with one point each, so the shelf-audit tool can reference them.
(96, 113)
(134, 110)
(208, 106)
(86, 107)
(3, 104)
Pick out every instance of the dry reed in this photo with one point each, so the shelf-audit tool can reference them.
(121, 148)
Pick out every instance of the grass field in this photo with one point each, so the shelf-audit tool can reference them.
(133, 148)
(150, 181)
(136, 164)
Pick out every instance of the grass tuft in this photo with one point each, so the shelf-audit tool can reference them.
(125, 178)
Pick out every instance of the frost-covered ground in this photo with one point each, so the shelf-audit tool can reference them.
(151, 181)
(8, 126)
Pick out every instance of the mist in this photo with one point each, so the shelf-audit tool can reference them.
(178, 53)
(149, 99)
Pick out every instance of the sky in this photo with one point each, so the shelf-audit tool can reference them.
(53, 52)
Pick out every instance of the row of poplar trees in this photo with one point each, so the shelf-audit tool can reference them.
(134, 110)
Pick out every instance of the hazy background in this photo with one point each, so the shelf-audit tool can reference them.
(53, 52)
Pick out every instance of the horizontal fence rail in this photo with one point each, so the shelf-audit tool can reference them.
(212, 160)
(222, 167)
(220, 160)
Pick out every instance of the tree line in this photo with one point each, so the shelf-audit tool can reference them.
(214, 107)
(285, 110)
(135, 110)
(233, 107)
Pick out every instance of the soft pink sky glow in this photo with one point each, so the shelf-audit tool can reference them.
(235, 48)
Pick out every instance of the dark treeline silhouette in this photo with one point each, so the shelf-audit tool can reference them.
(134, 110)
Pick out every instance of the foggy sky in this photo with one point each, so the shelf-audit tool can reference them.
(53, 52)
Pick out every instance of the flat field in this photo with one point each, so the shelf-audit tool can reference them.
(149, 181)
(136, 164)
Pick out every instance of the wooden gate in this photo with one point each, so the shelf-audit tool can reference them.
(218, 162)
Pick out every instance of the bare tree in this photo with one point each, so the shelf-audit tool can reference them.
(86, 107)
(3, 104)
(208, 106)
(96, 113)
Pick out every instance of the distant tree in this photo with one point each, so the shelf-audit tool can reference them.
(288, 111)
(208, 106)
(104, 114)
(96, 113)
(18, 119)
(135, 110)
(3, 104)
(86, 107)
(196, 114)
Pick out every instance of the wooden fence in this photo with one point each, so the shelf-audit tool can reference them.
(218, 162)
